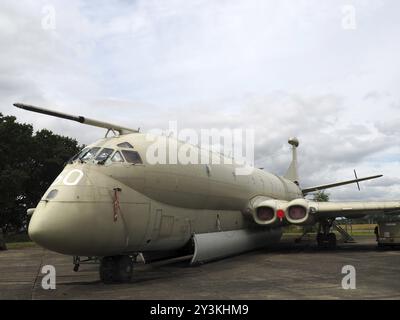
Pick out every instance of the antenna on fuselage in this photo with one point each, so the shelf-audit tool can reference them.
(80, 119)
(292, 172)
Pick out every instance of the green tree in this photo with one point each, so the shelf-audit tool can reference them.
(321, 196)
(28, 165)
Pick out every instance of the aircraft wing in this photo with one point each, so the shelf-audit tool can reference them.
(352, 209)
(338, 184)
(307, 212)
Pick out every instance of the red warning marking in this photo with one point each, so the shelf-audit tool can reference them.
(280, 214)
(116, 203)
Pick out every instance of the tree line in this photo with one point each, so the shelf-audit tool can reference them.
(29, 163)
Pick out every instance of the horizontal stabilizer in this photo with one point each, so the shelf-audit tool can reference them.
(338, 184)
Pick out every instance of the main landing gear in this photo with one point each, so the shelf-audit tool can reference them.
(116, 269)
(326, 238)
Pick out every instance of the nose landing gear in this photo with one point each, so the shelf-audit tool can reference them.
(116, 269)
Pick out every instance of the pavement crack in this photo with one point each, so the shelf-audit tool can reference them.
(37, 274)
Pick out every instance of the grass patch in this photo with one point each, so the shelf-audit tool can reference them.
(18, 241)
(355, 229)
(20, 245)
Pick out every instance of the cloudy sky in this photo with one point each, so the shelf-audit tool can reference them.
(327, 72)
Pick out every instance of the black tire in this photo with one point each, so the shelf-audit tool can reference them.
(107, 270)
(124, 268)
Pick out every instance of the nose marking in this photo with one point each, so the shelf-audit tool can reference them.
(77, 179)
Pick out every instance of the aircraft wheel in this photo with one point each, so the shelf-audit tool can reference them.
(116, 269)
(124, 268)
(107, 270)
(332, 240)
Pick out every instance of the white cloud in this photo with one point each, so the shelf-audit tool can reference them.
(282, 67)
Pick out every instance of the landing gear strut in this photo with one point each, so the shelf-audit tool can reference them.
(78, 260)
(326, 238)
(116, 269)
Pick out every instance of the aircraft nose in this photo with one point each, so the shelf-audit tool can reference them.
(75, 216)
(38, 229)
(75, 229)
(51, 228)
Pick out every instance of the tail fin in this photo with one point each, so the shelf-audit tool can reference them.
(292, 173)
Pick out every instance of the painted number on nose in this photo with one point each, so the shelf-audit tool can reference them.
(73, 177)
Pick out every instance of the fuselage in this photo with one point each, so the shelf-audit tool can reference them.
(128, 203)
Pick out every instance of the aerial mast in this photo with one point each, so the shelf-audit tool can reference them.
(292, 172)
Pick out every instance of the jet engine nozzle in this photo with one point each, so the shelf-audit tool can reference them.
(298, 212)
(267, 211)
(265, 214)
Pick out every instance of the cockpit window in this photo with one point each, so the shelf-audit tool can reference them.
(132, 157)
(104, 154)
(89, 154)
(125, 145)
(79, 154)
(117, 157)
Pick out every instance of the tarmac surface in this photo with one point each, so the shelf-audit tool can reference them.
(289, 271)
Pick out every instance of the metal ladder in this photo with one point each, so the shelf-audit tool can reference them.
(345, 235)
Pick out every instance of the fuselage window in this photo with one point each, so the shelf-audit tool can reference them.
(89, 154)
(117, 157)
(125, 145)
(104, 154)
(132, 156)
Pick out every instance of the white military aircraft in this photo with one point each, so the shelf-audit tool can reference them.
(110, 203)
